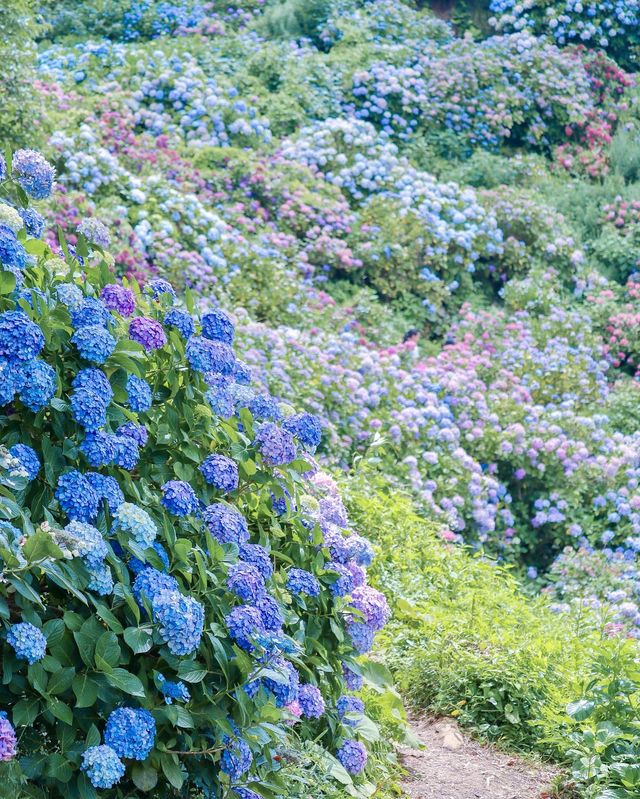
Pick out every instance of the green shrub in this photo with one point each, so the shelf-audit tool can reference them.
(19, 100)
(127, 586)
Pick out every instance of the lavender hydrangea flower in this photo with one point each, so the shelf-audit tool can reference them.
(220, 472)
(159, 287)
(95, 232)
(8, 740)
(226, 524)
(147, 332)
(245, 581)
(118, 298)
(353, 756)
(311, 701)
(179, 498)
(244, 624)
(300, 581)
(275, 444)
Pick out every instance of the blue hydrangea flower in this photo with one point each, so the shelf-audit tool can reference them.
(127, 452)
(28, 459)
(264, 406)
(305, 427)
(102, 766)
(173, 690)
(101, 580)
(95, 232)
(245, 581)
(159, 286)
(245, 793)
(96, 381)
(28, 642)
(182, 322)
(89, 542)
(205, 355)
(236, 759)
(226, 524)
(300, 581)
(130, 732)
(90, 312)
(137, 522)
(13, 255)
(242, 373)
(151, 582)
(220, 472)
(34, 173)
(106, 488)
(98, 448)
(76, 497)
(270, 611)
(311, 701)
(350, 705)
(136, 432)
(259, 557)
(94, 343)
(353, 681)
(139, 394)
(88, 409)
(20, 338)
(181, 621)
(3, 168)
(276, 445)
(33, 222)
(353, 756)
(220, 395)
(39, 385)
(286, 688)
(217, 326)
(179, 498)
(361, 636)
(244, 624)
(69, 295)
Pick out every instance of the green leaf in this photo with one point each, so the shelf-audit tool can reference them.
(25, 712)
(580, 710)
(61, 680)
(188, 672)
(172, 771)
(60, 710)
(107, 651)
(139, 639)
(7, 282)
(144, 778)
(125, 681)
(85, 689)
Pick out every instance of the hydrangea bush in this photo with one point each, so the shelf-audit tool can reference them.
(181, 592)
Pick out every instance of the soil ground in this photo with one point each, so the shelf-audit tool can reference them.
(453, 765)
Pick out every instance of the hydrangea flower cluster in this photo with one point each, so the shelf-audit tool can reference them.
(28, 642)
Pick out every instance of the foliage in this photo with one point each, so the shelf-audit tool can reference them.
(19, 104)
(145, 590)
(464, 640)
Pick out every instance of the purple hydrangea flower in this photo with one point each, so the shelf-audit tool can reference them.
(311, 701)
(8, 740)
(118, 298)
(95, 232)
(220, 472)
(179, 498)
(147, 332)
(226, 524)
(275, 444)
(353, 756)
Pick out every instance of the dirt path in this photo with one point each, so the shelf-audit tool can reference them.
(454, 766)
